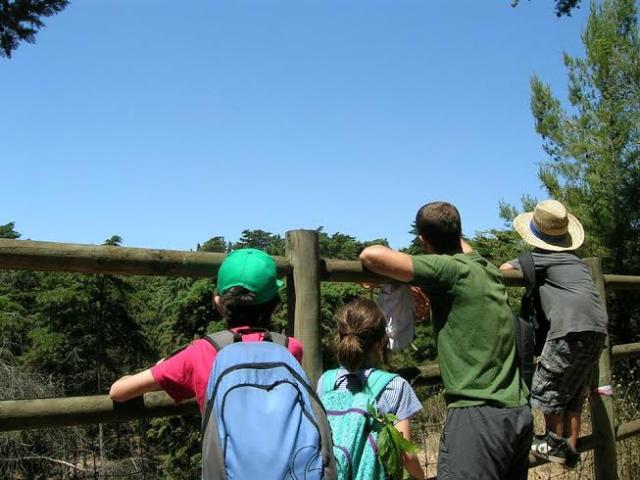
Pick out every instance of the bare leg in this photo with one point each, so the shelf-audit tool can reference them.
(555, 423)
(574, 428)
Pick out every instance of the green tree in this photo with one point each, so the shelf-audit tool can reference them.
(84, 330)
(214, 244)
(32, 453)
(563, 7)
(20, 20)
(342, 246)
(113, 241)
(180, 310)
(594, 145)
(7, 231)
(271, 243)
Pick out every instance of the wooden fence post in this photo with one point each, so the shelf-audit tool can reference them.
(303, 253)
(602, 415)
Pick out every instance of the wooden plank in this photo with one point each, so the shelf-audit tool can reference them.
(58, 412)
(302, 247)
(602, 415)
(68, 257)
(622, 282)
(349, 271)
(628, 430)
(628, 350)
(429, 374)
(353, 271)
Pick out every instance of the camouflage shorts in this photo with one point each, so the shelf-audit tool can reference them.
(563, 374)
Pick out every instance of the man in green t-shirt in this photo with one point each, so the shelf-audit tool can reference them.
(489, 426)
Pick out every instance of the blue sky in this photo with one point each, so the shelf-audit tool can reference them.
(170, 122)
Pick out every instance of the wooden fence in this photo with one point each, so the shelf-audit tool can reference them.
(304, 270)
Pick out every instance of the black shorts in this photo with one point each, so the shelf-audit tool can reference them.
(485, 443)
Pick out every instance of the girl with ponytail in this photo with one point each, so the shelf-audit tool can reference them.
(360, 346)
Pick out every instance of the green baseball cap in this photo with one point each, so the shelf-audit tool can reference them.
(252, 269)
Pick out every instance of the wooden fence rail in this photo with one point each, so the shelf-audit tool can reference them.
(158, 404)
(78, 258)
(59, 412)
(86, 410)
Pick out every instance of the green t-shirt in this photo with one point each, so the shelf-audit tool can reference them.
(474, 329)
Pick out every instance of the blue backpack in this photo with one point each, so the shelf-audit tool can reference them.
(262, 419)
(354, 435)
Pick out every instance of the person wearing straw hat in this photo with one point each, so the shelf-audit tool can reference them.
(577, 326)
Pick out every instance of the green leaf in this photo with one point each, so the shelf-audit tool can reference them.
(391, 443)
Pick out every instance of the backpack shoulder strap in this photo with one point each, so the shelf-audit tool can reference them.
(221, 339)
(278, 338)
(378, 380)
(528, 270)
(329, 380)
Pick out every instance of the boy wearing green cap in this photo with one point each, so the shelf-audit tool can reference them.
(247, 297)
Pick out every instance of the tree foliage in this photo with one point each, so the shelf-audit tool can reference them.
(20, 20)
(214, 244)
(594, 148)
(271, 243)
(32, 453)
(563, 7)
(593, 145)
(7, 231)
(86, 330)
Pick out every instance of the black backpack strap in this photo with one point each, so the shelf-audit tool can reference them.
(531, 306)
(524, 340)
(528, 270)
(220, 340)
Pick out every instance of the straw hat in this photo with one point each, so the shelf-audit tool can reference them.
(550, 227)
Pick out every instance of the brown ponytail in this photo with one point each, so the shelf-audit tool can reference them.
(360, 333)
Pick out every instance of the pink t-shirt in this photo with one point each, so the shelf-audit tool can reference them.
(186, 374)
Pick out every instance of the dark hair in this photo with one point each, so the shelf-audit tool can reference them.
(360, 330)
(439, 224)
(238, 308)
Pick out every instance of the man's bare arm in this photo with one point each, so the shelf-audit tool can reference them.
(384, 261)
(507, 266)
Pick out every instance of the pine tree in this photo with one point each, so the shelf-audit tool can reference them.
(7, 231)
(20, 20)
(594, 146)
(563, 7)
